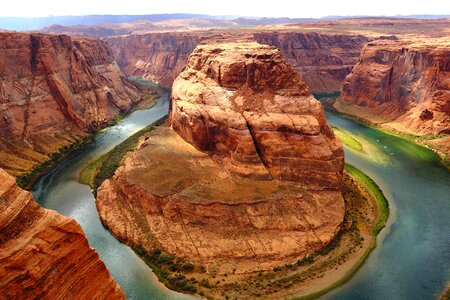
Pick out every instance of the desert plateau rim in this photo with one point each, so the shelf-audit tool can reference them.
(185, 155)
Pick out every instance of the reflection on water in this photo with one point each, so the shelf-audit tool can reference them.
(59, 190)
(412, 259)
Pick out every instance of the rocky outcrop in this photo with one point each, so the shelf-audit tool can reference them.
(403, 85)
(54, 90)
(244, 101)
(252, 171)
(44, 255)
(323, 60)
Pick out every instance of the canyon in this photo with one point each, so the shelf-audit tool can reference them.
(323, 60)
(44, 254)
(253, 173)
(245, 179)
(54, 91)
(402, 86)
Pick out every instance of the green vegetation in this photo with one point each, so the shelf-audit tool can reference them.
(377, 194)
(104, 167)
(27, 180)
(383, 213)
(170, 270)
(347, 139)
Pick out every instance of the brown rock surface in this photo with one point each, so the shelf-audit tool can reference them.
(246, 102)
(53, 90)
(44, 255)
(254, 184)
(323, 60)
(404, 83)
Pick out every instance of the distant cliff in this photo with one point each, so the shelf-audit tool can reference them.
(323, 60)
(55, 89)
(44, 255)
(403, 85)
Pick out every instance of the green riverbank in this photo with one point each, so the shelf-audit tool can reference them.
(95, 172)
(147, 101)
(381, 219)
(420, 140)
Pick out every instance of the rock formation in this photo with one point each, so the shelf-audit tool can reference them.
(323, 60)
(403, 85)
(251, 171)
(44, 255)
(53, 90)
(245, 101)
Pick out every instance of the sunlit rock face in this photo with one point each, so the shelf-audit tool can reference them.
(44, 255)
(404, 82)
(245, 102)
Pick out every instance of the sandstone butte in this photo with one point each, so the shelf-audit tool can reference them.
(54, 90)
(44, 255)
(403, 86)
(246, 178)
(323, 60)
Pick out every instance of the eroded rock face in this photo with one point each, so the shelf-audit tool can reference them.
(53, 90)
(44, 254)
(246, 178)
(244, 101)
(405, 82)
(323, 60)
(156, 56)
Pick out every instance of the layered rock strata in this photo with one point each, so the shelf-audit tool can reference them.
(247, 177)
(323, 60)
(44, 255)
(402, 85)
(246, 102)
(55, 89)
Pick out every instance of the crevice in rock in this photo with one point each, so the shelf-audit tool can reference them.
(255, 144)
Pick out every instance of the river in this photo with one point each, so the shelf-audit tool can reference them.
(411, 261)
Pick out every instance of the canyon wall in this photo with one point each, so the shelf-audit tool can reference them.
(252, 172)
(55, 89)
(401, 85)
(323, 60)
(44, 255)
(156, 56)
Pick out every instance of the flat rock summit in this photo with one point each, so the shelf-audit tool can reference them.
(251, 170)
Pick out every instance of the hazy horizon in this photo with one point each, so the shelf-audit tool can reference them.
(264, 8)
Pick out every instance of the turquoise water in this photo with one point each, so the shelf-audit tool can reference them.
(412, 258)
(411, 261)
(59, 190)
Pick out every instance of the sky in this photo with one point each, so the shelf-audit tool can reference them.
(261, 8)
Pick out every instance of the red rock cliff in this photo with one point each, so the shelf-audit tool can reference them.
(44, 255)
(244, 101)
(156, 56)
(53, 90)
(404, 85)
(323, 60)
